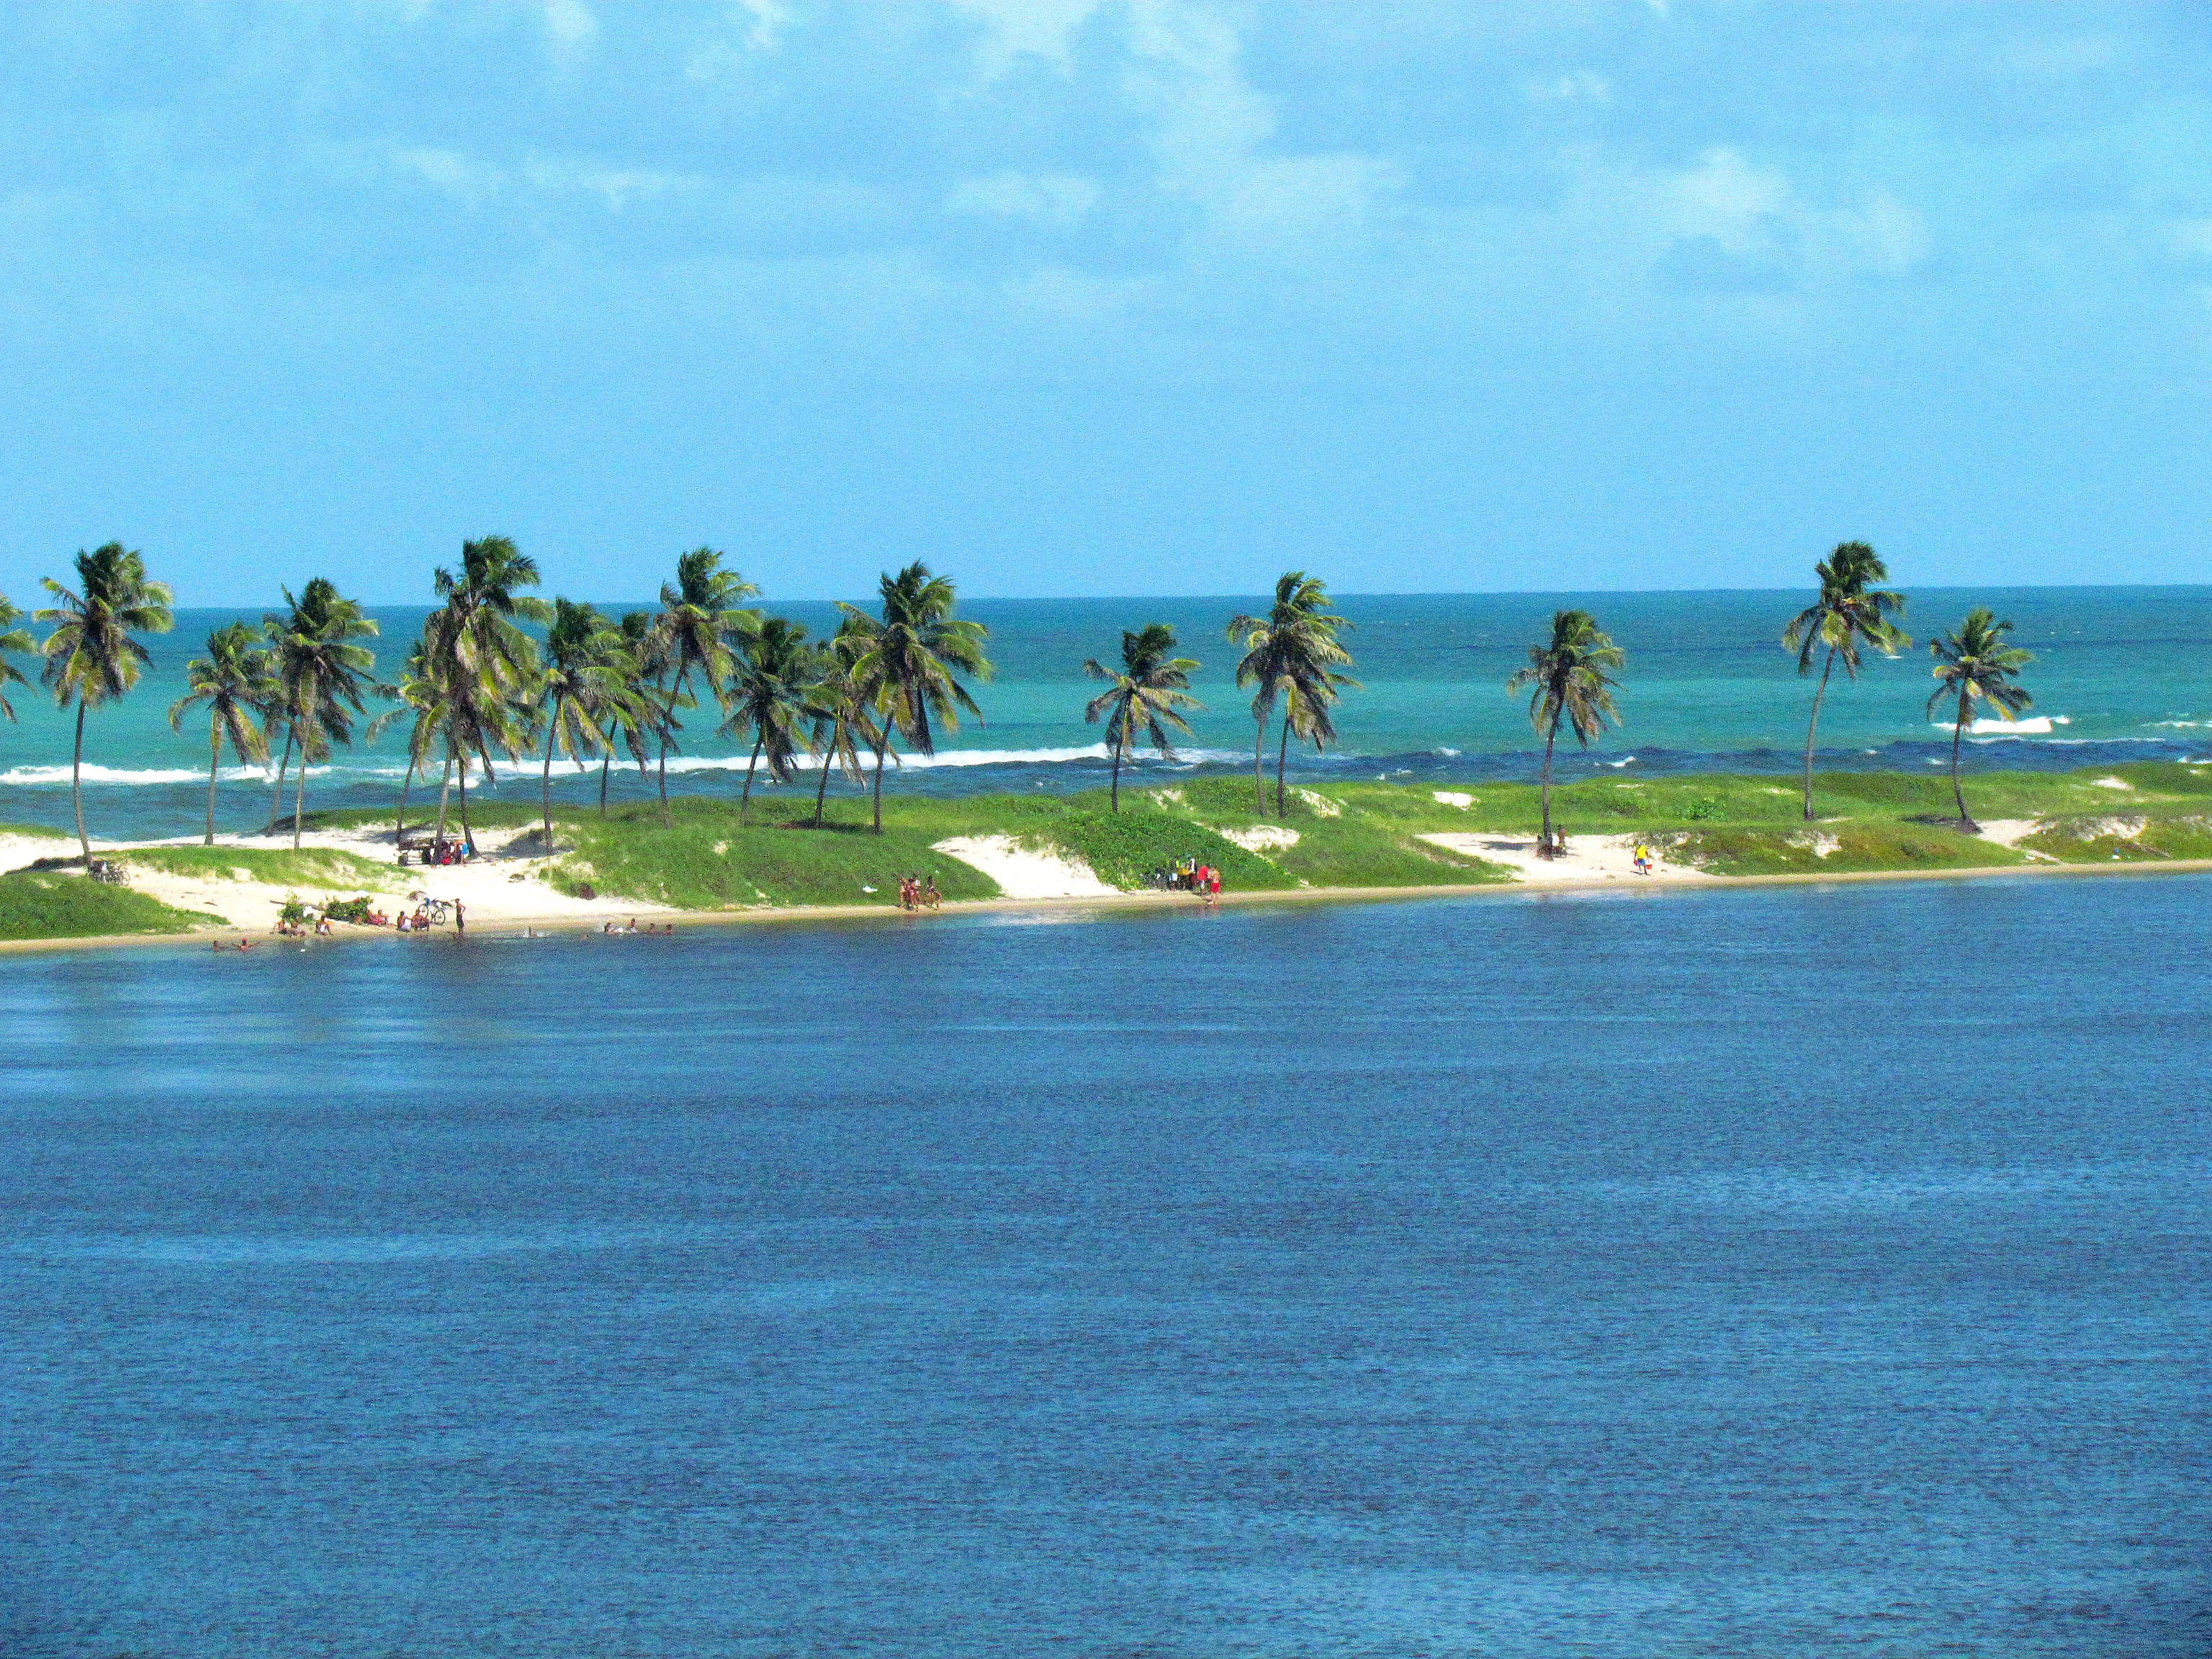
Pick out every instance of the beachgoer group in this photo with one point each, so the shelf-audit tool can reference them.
(920, 893)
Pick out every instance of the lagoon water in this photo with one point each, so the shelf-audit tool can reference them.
(2121, 674)
(1779, 1272)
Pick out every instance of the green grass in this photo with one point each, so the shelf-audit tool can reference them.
(1738, 851)
(309, 867)
(1122, 847)
(44, 904)
(705, 862)
(1351, 834)
(2121, 836)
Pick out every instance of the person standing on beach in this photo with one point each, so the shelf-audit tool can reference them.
(460, 919)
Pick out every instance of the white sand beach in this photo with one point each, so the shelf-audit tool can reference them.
(1023, 872)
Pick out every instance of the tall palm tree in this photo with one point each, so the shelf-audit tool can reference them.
(648, 719)
(766, 695)
(421, 699)
(233, 679)
(910, 664)
(322, 674)
(1143, 695)
(91, 658)
(1976, 665)
(12, 639)
(1291, 656)
(841, 708)
(1569, 680)
(584, 690)
(483, 668)
(701, 619)
(1850, 615)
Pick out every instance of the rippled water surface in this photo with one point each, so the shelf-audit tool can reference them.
(1781, 1272)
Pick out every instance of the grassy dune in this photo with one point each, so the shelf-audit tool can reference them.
(311, 868)
(1365, 834)
(44, 904)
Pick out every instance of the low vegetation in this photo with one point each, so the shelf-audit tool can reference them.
(310, 867)
(48, 904)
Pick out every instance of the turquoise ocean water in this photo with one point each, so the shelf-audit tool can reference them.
(2122, 673)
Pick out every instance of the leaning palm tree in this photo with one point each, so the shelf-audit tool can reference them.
(1976, 665)
(909, 663)
(235, 681)
(1143, 695)
(91, 658)
(766, 695)
(700, 621)
(842, 708)
(1569, 680)
(322, 675)
(583, 692)
(1850, 615)
(12, 639)
(1290, 654)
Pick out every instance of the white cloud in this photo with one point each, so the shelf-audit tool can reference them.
(1015, 29)
(1583, 87)
(617, 187)
(464, 178)
(1057, 201)
(571, 27)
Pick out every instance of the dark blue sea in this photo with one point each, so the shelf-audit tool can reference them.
(1759, 1274)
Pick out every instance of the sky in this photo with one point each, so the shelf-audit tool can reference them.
(1106, 297)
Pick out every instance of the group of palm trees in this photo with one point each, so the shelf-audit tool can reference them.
(477, 689)
(1568, 679)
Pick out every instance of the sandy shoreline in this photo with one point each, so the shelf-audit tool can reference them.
(566, 924)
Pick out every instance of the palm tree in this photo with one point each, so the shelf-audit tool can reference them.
(841, 708)
(767, 697)
(1976, 665)
(583, 690)
(321, 674)
(91, 658)
(1569, 676)
(235, 681)
(699, 616)
(648, 719)
(1144, 695)
(12, 638)
(480, 668)
(1291, 654)
(1850, 614)
(910, 662)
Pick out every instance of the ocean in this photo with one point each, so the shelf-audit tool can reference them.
(2120, 675)
(1766, 1273)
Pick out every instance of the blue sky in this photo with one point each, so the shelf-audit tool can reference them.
(1070, 298)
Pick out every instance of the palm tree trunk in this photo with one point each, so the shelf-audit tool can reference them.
(399, 824)
(545, 788)
(215, 765)
(745, 796)
(76, 788)
(1258, 766)
(1114, 793)
(300, 801)
(445, 792)
(1551, 738)
(606, 765)
(1828, 668)
(1958, 732)
(276, 800)
(881, 748)
(828, 759)
(468, 836)
(666, 823)
(1282, 760)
